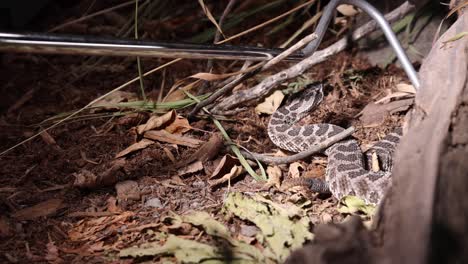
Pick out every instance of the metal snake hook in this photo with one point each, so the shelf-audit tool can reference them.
(380, 19)
(70, 44)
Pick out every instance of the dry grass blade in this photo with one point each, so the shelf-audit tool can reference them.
(305, 26)
(210, 16)
(457, 8)
(81, 19)
(266, 22)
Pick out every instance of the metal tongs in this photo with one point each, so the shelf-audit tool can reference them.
(85, 45)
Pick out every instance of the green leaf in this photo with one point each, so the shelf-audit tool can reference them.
(353, 205)
(283, 227)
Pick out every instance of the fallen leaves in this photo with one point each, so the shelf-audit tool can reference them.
(283, 227)
(227, 169)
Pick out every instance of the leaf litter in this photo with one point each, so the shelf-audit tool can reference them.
(101, 222)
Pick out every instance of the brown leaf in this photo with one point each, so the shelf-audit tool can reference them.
(407, 88)
(210, 16)
(234, 173)
(224, 166)
(207, 151)
(164, 136)
(295, 170)
(374, 114)
(347, 10)
(45, 208)
(191, 168)
(179, 126)
(274, 176)
(134, 147)
(156, 122)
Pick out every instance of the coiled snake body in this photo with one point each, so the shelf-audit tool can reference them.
(347, 172)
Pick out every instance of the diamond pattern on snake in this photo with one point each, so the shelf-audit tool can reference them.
(347, 172)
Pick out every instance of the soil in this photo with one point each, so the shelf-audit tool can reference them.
(37, 87)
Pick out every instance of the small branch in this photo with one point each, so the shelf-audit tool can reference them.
(233, 82)
(237, 80)
(265, 87)
(315, 148)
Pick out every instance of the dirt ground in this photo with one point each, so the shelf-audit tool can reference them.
(66, 223)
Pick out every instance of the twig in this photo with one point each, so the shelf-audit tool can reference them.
(315, 148)
(264, 87)
(237, 80)
(217, 36)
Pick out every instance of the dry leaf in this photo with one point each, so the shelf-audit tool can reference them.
(406, 88)
(46, 208)
(274, 176)
(157, 121)
(374, 114)
(295, 170)
(210, 17)
(179, 126)
(191, 168)
(347, 10)
(270, 104)
(134, 147)
(164, 136)
(224, 166)
(207, 151)
(234, 173)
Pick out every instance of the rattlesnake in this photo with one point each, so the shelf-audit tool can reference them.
(347, 172)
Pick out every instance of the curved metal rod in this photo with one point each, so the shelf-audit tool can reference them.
(380, 19)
